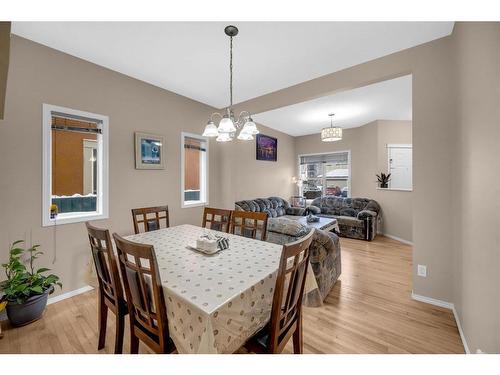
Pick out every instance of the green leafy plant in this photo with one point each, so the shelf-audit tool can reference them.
(23, 280)
(383, 179)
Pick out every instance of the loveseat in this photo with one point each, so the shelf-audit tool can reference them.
(283, 227)
(357, 217)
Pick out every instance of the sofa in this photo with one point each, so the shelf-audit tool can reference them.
(283, 227)
(357, 217)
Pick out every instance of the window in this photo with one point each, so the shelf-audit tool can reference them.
(399, 165)
(325, 174)
(75, 165)
(194, 167)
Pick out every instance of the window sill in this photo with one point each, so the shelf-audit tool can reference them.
(394, 189)
(194, 204)
(73, 218)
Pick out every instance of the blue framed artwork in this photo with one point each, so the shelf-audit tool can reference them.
(149, 151)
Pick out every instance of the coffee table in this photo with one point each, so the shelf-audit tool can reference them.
(324, 223)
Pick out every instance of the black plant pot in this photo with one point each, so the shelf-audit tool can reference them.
(384, 186)
(20, 314)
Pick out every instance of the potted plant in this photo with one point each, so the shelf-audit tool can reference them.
(26, 289)
(383, 180)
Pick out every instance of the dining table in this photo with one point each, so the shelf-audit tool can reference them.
(215, 303)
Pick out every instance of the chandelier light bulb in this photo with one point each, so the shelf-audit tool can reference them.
(226, 125)
(223, 137)
(210, 130)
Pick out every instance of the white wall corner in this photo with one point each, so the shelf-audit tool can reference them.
(446, 305)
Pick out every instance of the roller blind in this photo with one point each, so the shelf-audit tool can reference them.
(194, 144)
(334, 158)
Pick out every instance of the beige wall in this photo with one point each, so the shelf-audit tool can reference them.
(244, 177)
(37, 75)
(477, 184)
(131, 105)
(433, 121)
(369, 157)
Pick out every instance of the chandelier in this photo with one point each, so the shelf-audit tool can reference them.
(229, 124)
(333, 133)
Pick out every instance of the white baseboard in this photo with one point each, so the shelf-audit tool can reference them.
(446, 305)
(70, 294)
(397, 238)
(462, 336)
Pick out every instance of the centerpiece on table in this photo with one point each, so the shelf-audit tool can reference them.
(26, 289)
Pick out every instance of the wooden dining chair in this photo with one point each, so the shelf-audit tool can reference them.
(246, 224)
(286, 311)
(216, 219)
(110, 287)
(145, 299)
(151, 218)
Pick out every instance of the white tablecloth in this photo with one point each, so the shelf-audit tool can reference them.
(214, 303)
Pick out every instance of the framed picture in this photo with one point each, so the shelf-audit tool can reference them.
(266, 148)
(149, 151)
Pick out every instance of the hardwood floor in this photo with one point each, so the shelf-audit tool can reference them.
(368, 311)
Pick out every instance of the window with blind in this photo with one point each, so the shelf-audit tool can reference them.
(325, 174)
(194, 167)
(75, 161)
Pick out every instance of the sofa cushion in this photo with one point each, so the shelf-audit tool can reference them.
(286, 226)
(273, 206)
(348, 212)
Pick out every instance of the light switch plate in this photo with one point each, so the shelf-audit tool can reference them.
(422, 270)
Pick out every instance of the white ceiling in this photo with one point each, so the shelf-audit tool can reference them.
(387, 100)
(192, 58)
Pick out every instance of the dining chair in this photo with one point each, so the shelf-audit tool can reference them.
(286, 311)
(110, 287)
(150, 218)
(145, 299)
(217, 219)
(246, 224)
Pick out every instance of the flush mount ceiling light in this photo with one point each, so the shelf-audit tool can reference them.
(333, 133)
(229, 124)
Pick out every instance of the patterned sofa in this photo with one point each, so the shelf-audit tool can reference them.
(357, 217)
(283, 227)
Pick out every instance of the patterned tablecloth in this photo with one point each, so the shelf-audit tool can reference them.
(215, 302)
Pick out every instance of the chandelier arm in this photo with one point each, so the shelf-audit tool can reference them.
(244, 112)
(215, 114)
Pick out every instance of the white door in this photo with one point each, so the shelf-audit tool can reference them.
(400, 166)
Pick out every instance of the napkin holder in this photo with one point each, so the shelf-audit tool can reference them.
(212, 243)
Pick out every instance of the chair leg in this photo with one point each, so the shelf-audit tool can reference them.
(120, 325)
(134, 341)
(102, 319)
(297, 338)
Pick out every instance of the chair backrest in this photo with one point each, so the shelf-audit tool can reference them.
(142, 283)
(105, 262)
(150, 218)
(248, 224)
(287, 300)
(217, 219)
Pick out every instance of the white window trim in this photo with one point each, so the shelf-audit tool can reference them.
(349, 167)
(103, 173)
(204, 178)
